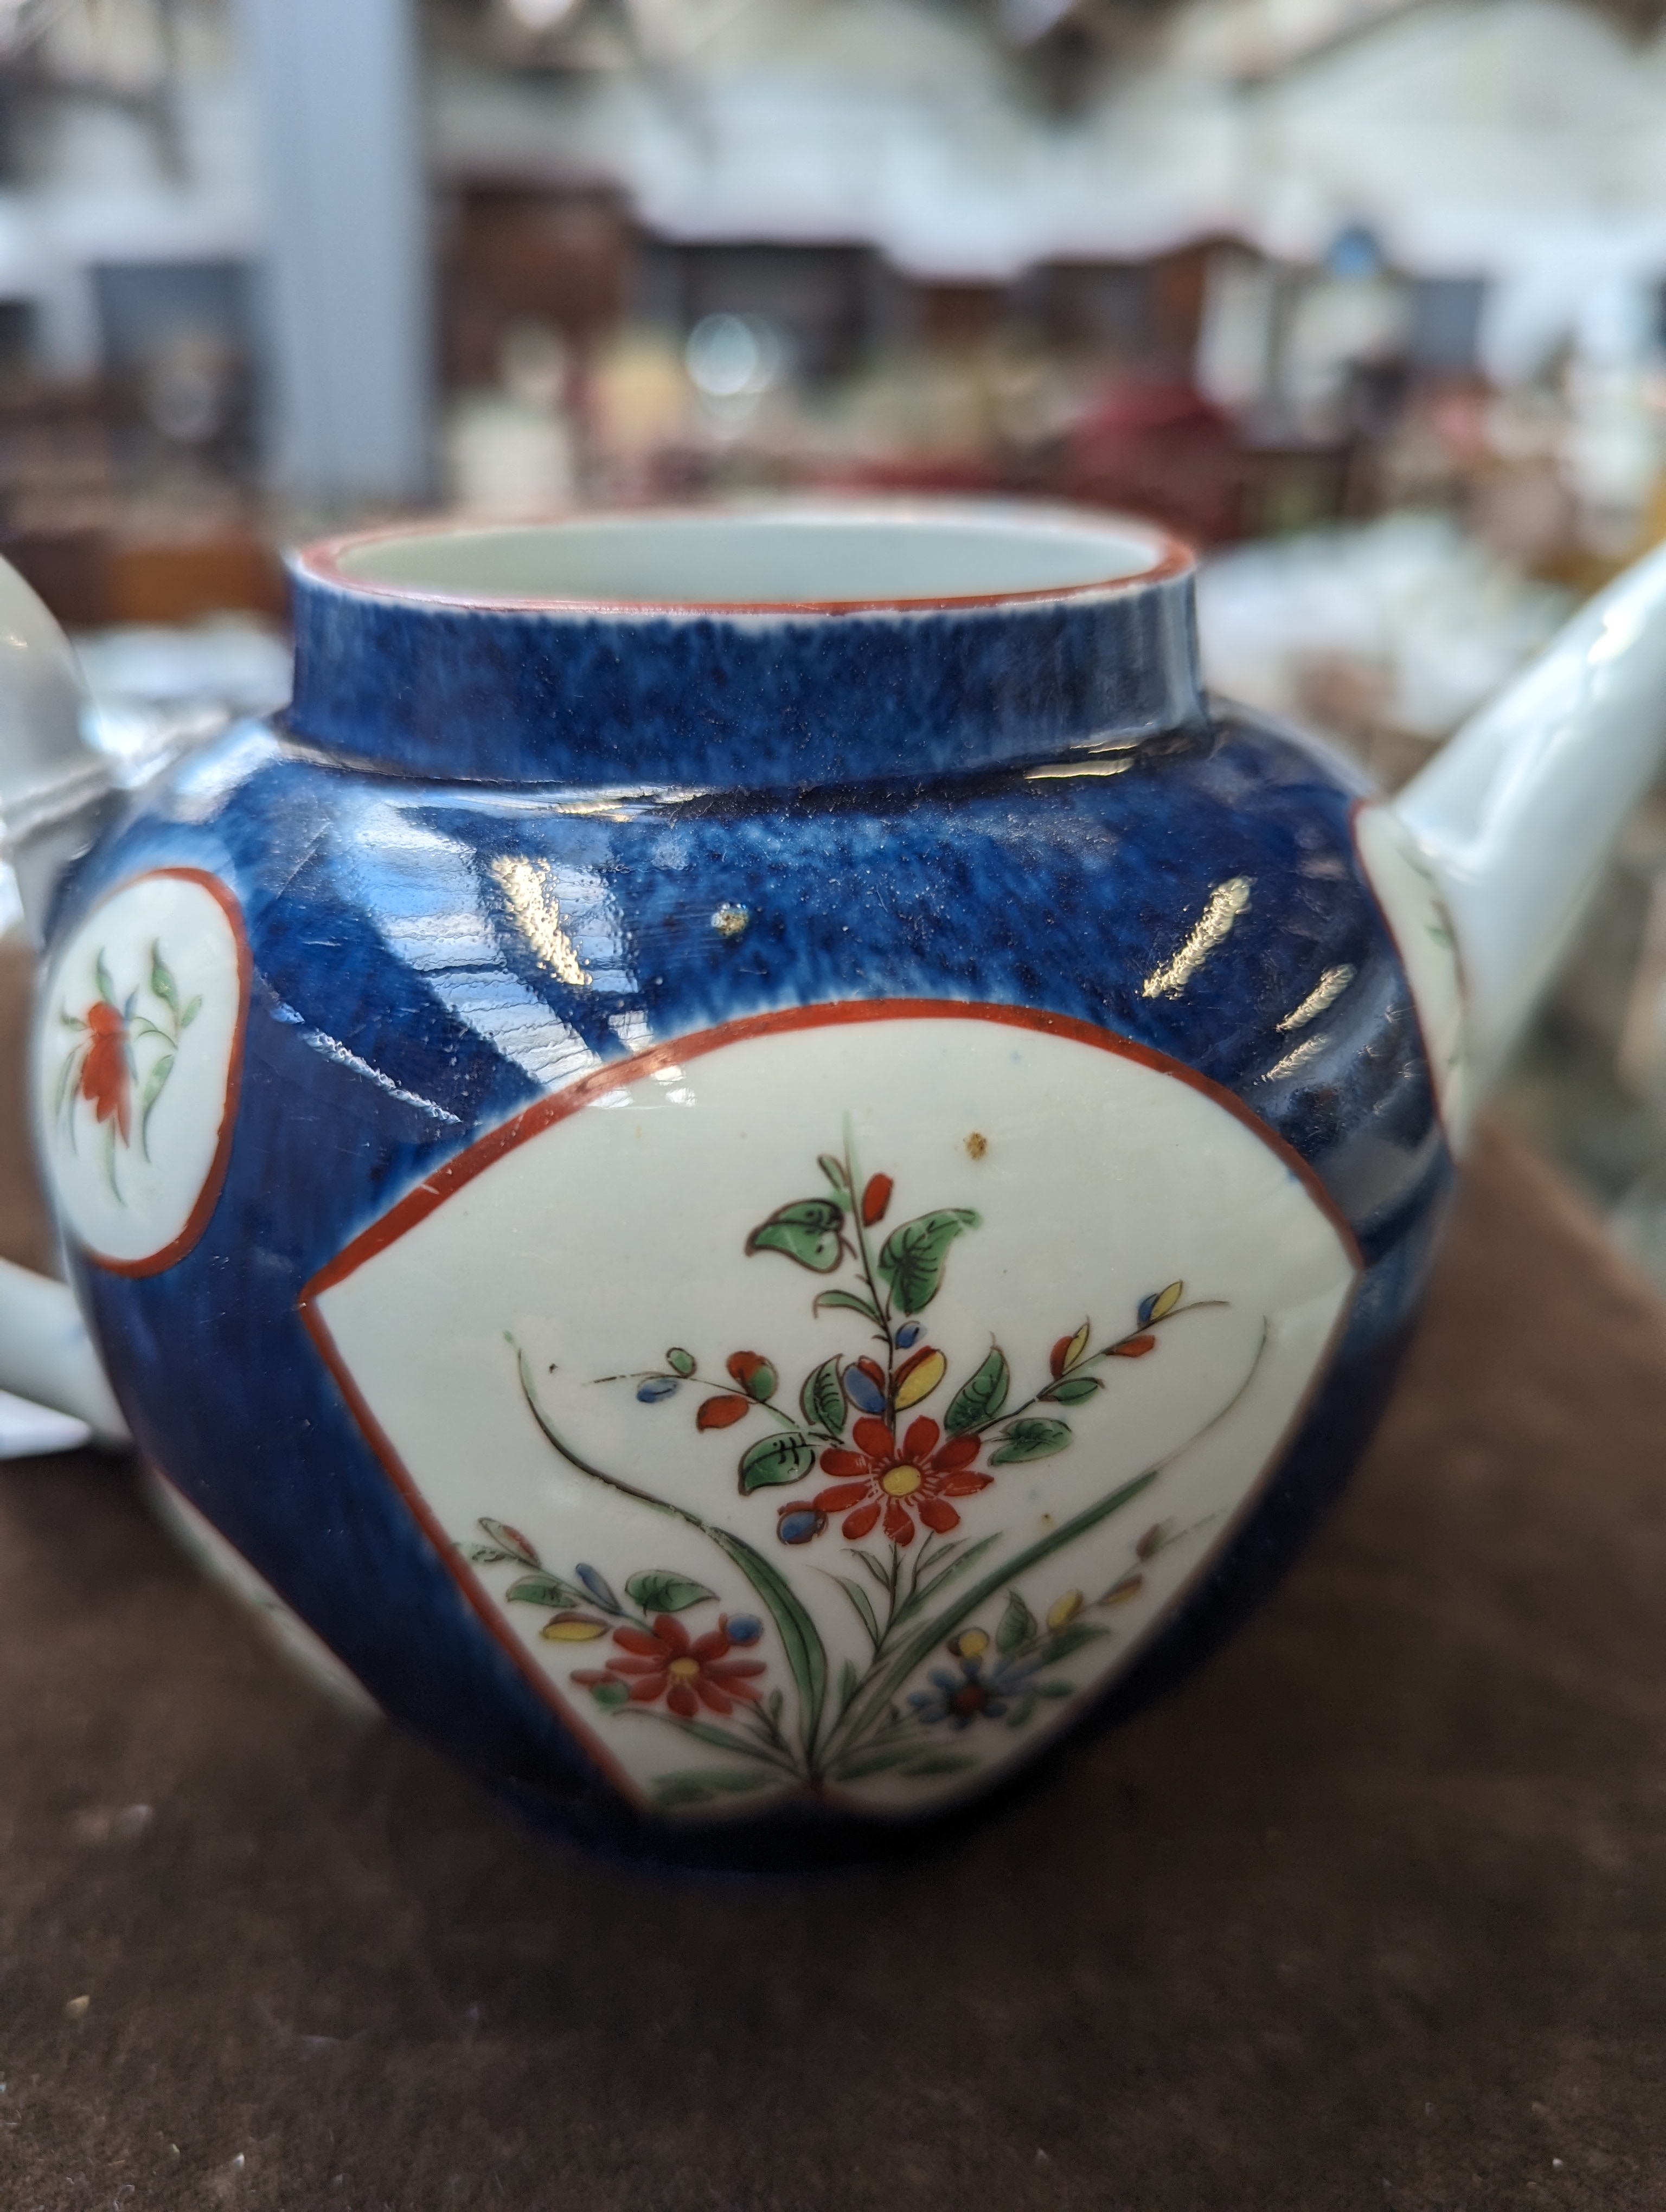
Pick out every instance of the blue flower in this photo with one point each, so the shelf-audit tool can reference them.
(743, 1627)
(961, 1697)
(799, 1524)
(598, 1586)
(908, 1334)
(865, 1386)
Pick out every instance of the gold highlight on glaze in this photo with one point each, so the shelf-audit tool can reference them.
(1226, 902)
(1325, 993)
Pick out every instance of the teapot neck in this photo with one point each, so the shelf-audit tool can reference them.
(631, 698)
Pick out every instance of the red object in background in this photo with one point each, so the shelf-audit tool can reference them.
(1155, 449)
(1162, 450)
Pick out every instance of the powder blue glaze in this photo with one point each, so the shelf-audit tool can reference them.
(506, 697)
(400, 1011)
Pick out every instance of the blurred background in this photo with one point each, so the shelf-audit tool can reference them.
(1366, 297)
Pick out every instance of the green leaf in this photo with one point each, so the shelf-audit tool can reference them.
(806, 1655)
(851, 1301)
(609, 1696)
(720, 1739)
(1031, 1439)
(671, 1792)
(1073, 1389)
(484, 1555)
(680, 1362)
(849, 1679)
(154, 1081)
(66, 1075)
(833, 1168)
(822, 1399)
(785, 1457)
(864, 1605)
(545, 1589)
(860, 1766)
(981, 1399)
(1018, 1624)
(192, 1012)
(101, 974)
(736, 1785)
(881, 1575)
(946, 1574)
(162, 979)
(512, 1542)
(911, 1258)
(661, 1590)
(153, 1090)
(807, 1231)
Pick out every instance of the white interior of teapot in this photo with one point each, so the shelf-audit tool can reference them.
(820, 556)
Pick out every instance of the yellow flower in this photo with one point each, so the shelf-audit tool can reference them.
(919, 1378)
(1064, 1609)
(971, 1644)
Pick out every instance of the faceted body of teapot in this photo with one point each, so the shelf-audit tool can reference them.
(745, 1314)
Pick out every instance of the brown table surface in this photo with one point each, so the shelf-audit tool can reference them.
(1372, 1913)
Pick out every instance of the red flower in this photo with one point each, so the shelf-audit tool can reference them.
(106, 1080)
(665, 1662)
(918, 1479)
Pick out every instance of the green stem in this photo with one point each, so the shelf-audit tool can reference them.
(720, 1739)
(722, 1390)
(881, 1305)
(892, 1582)
(727, 1390)
(871, 1700)
(806, 1654)
(1093, 1359)
(864, 1709)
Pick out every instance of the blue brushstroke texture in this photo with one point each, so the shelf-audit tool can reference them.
(506, 697)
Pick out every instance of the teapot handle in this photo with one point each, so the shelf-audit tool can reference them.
(54, 788)
(46, 1353)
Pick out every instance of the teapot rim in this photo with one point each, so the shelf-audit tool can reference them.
(1162, 556)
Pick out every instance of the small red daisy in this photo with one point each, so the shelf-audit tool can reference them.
(687, 1672)
(917, 1478)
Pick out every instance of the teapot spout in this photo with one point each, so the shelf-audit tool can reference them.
(54, 787)
(1516, 815)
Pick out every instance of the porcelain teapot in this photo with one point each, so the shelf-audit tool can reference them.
(753, 1166)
